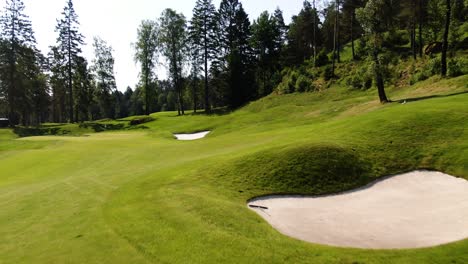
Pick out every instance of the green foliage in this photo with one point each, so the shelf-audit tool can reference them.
(457, 67)
(431, 68)
(141, 120)
(23, 87)
(396, 38)
(69, 43)
(303, 84)
(145, 54)
(296, 80)
(328, 73)
(361, 78)
(322, 58)
(103, 69)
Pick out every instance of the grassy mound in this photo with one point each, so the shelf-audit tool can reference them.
(311, 169)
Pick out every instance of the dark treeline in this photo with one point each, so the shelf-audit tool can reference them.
(218, 59)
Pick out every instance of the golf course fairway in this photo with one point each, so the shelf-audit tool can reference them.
(137, 195)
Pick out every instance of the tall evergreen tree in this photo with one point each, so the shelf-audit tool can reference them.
(281, 30)
(146, 49)
(236, 52)
(301, 40)
(58, 83)
(203, 30)
(349, 19)
(19, 61)
(173, 41)
(195, 62)
(69, 42)
(267, 42)
(83, 83)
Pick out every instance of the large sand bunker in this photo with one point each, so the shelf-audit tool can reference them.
(194, 136)
(412, 210)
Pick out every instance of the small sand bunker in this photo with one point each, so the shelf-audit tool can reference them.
(194, 136)
(412, 210)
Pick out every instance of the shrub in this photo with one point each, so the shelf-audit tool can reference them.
(303, 84)
(142, 120)
(457, 67)
(362, 78)
(328, 73)
(430, 69)
(322, 59)
(396, 38)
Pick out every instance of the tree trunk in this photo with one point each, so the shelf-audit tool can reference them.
(443, 67)
(352, 37)
(70, 81)
(335, 35)
(413, 30)
(207, 91)
(338, 53)
(194, 83)
(378, 77)
(315, 35)
(147, 110)
(420, 28)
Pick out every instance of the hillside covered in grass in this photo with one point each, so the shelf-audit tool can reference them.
(128, 192)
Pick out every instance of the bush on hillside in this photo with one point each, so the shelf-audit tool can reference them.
(322, 59)
(361, 78)
(328, 73)
(141, 120)
(457, 67)
(303, 84)
(396, 38)
(428, 70)
(296, 80)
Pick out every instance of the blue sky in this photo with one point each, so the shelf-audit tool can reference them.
(116, 21)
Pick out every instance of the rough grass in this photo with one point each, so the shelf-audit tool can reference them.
(143, 197)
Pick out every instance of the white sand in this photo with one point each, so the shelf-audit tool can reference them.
(192, 136)
(412, 210)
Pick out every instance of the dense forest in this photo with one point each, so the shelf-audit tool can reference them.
(221, 59)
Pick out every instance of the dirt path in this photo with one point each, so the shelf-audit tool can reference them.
(412, 210)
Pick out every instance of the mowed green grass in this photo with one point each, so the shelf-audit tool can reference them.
(140, 196)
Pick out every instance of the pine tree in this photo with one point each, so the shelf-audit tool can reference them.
(281, 30)
(83, 89)
(18, 60)
(236, 57)
(58, 83)
(304, 35)
(267, 42)
(146, 49)
(69, 42)
(203, 30)
(349, 20)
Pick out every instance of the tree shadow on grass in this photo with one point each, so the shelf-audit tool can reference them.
(415, 99)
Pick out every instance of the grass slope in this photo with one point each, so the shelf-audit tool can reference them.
(142, 197)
